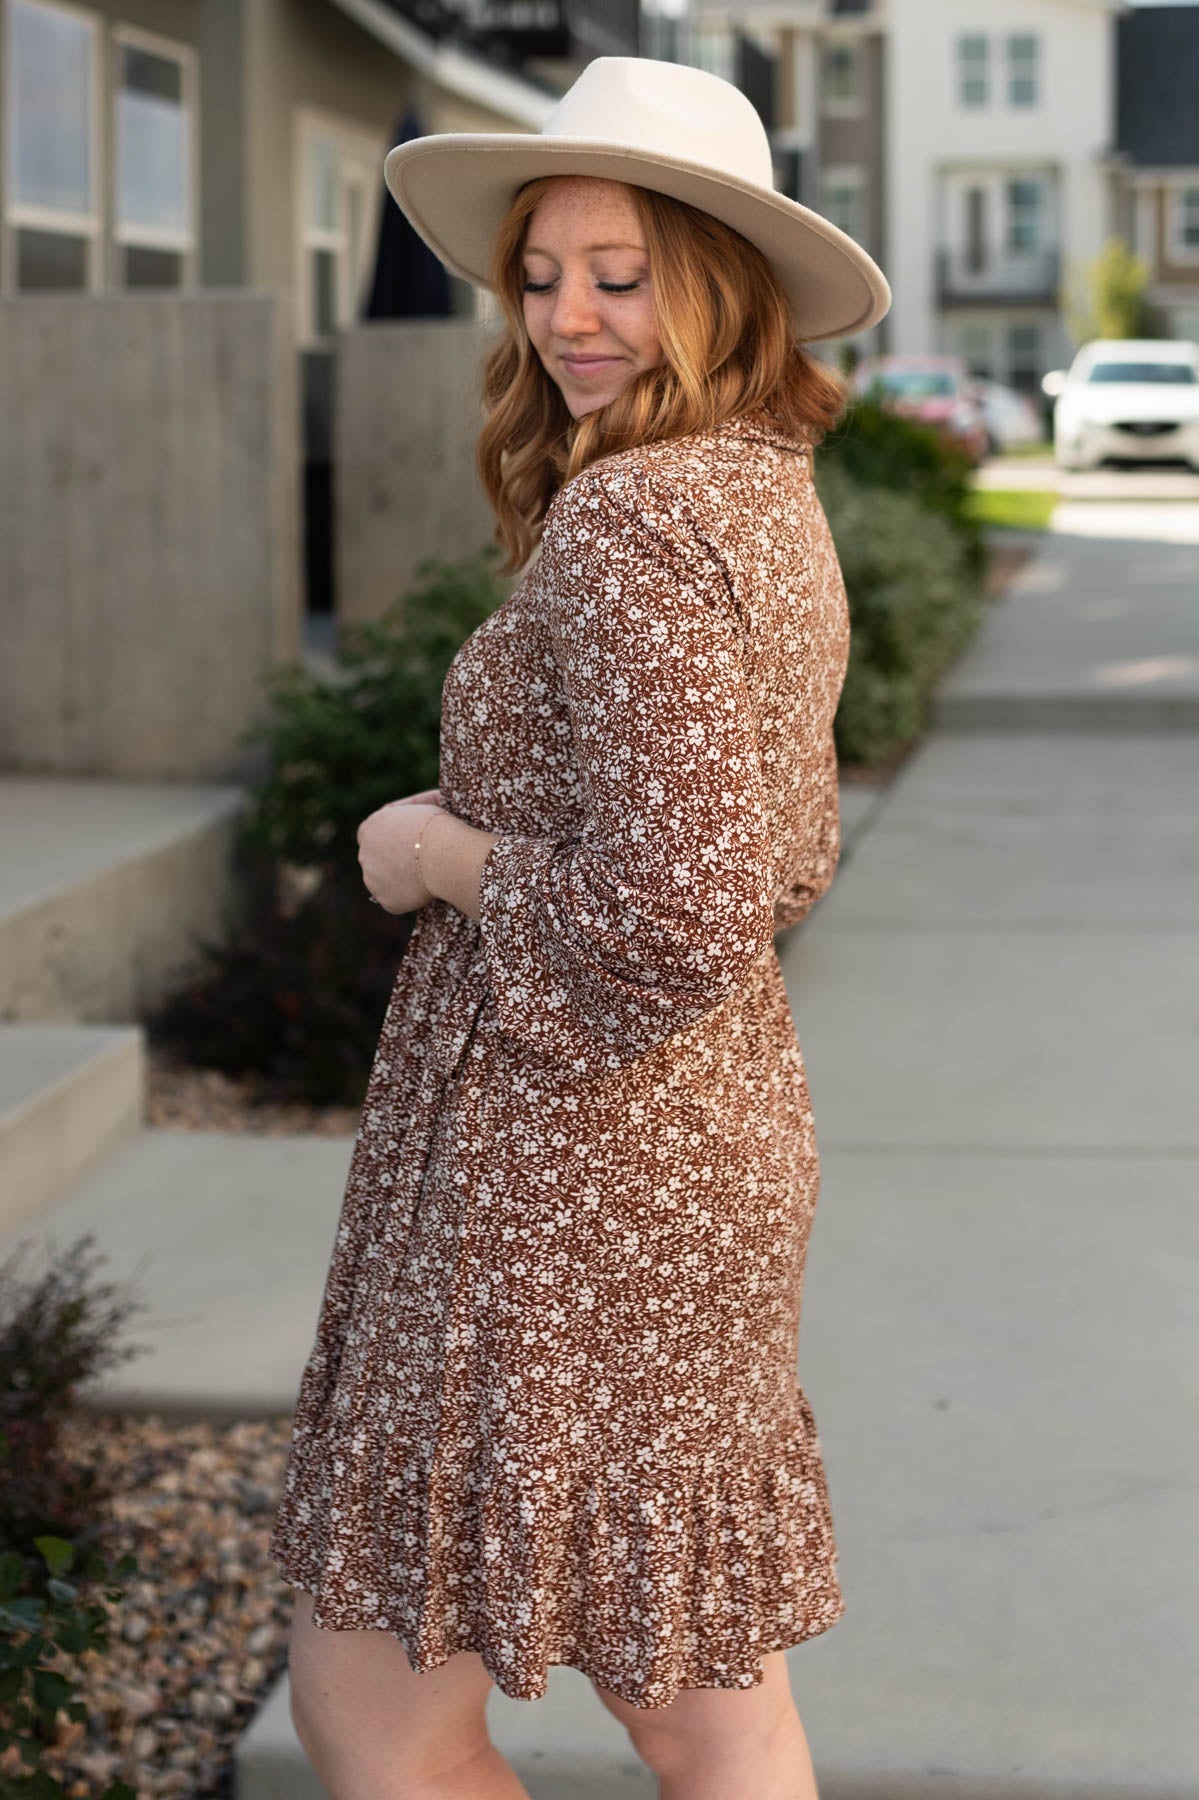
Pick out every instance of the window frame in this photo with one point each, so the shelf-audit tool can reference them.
(17, 215)
(1031, 75)
(713, 40)
(1015, 213)
(961, 76)
(363, 154)
(1178, 250)
(141, 237)
(855, 178)
(853, 104)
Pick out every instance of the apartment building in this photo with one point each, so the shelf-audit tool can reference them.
(1154, 169)
(983, 154)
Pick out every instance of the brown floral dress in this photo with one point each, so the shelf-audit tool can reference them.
(552, 1411)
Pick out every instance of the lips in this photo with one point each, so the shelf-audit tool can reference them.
(581, 365)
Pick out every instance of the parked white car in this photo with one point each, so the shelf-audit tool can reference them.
(1135, 399)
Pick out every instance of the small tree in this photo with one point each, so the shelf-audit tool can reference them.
(1112, 302)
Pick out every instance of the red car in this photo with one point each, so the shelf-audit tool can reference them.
(936, 390)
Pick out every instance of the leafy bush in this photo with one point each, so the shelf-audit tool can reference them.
(878, 448)
(40, 1632)
(342, 747)
(914, 605)
(298, 980)
(295, 989)
(57, 1333)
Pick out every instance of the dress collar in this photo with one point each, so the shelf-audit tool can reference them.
(760, 426)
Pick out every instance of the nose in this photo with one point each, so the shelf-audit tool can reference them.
(574, 309)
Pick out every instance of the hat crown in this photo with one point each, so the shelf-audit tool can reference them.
(668, 109)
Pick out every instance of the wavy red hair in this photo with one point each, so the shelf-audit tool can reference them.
(728, 342)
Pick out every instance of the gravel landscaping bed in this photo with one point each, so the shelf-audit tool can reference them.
(201, 1632)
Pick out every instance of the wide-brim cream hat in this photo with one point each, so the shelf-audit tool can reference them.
(679, 130)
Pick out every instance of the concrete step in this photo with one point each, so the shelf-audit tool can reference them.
(70, 1096)
(103, 884)
(226, 1237)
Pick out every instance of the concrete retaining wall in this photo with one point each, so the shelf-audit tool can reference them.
(149, 529)
(407, 419)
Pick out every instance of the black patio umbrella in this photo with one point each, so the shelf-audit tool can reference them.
(409, 282)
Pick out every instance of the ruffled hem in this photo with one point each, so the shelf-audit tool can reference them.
(646, 1584)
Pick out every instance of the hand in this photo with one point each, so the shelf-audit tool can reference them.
(386, 854)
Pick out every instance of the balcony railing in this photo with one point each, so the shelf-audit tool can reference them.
(1030, 275)
(508, 32)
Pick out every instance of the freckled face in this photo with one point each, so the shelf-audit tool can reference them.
(588, 302)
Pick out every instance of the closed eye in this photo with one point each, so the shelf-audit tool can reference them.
(609, 287)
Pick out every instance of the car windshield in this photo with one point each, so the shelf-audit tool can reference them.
(916, 384)
(1171, 372)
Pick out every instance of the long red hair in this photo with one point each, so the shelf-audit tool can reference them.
(729, 346)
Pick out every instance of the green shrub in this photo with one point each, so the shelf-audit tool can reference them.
(342, 747)
(57, 1333)
(41, 1632)
(914, 605)
(294, 991)
(295, 986)
(878, 448)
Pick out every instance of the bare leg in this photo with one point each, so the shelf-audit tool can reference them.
(373, 1729)
(724, 1743)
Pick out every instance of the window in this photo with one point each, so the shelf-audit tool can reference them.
(1022, 69)
(841, 84)
(975, 234)
(1186, 222)
(973, 342)
(340, 185)
(711, 48)
(843, 196)
(154, 117)
(1025, 215)
(1024, 357)
(973, 69)
(51, 108)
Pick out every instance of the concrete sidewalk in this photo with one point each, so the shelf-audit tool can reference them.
(999, 1009)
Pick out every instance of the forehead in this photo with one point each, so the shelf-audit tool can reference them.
(585, 208)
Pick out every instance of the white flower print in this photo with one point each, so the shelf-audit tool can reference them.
(551, 1411)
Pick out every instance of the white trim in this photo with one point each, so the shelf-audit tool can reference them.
(466, 76)
(1177, 251)
(359, 164)
(141, 237)
(13, 214)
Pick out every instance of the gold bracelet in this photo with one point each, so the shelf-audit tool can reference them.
(416, 853)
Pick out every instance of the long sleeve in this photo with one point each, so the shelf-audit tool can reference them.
(604, 944)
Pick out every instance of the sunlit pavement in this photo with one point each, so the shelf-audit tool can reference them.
(997, 1009)
(1166, 481)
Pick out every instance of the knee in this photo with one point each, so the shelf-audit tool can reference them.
(407, 1752)
(676, 1742)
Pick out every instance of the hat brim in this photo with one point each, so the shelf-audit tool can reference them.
(456, 187)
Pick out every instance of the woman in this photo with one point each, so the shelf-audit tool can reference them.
(551, 1413)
